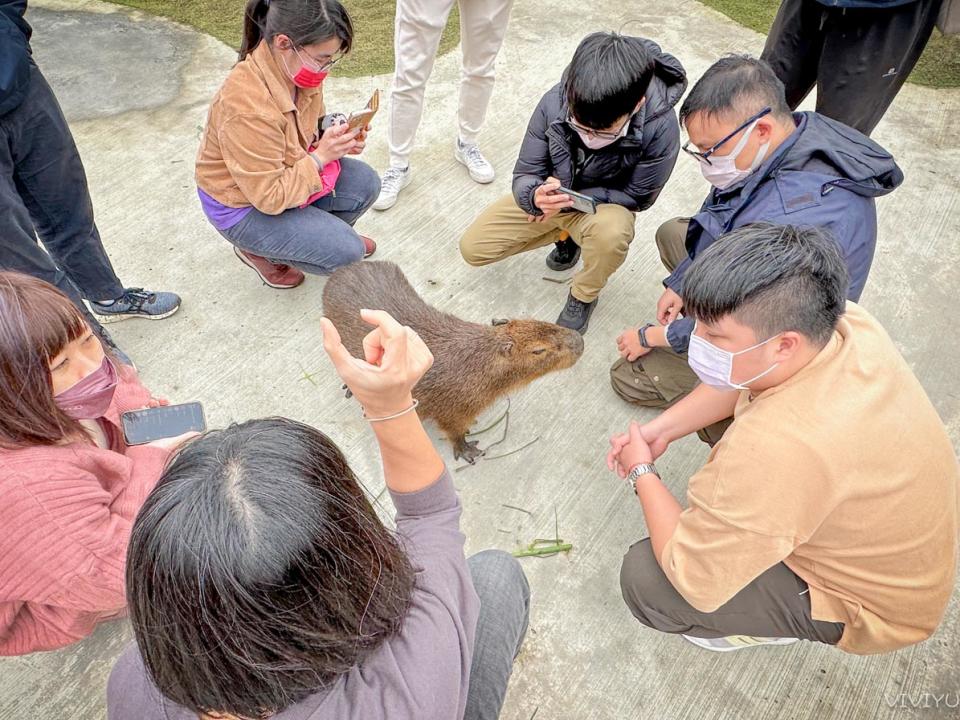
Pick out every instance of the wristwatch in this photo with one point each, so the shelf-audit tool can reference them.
(638, 471)
(642, 333)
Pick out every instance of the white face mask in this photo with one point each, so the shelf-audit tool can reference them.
(714, 366)
(722, 172)
(596, 143)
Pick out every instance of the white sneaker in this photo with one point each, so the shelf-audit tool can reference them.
(737, 642)
(391, 183)
(469, 154)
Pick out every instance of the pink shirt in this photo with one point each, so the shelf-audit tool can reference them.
(65, 517)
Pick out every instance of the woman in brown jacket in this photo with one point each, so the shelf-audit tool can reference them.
(272, 174)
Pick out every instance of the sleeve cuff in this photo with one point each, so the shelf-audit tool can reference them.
(434, 498)
(678, 334)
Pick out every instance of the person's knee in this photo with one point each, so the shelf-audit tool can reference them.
(369, 182)
(612, 231)
(641, 581)
(470, 246)
(631, 383)
(503, 570)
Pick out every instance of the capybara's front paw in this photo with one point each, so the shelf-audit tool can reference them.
(469, 451)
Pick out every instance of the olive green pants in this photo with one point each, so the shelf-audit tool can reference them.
(663, 377)
(502, 230)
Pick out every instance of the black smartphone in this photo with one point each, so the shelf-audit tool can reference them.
(166, 421)
(581, 202)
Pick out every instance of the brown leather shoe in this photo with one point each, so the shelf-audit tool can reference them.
(369, 246)
(281, 277)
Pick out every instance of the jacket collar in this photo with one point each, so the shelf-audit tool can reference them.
(278, 83)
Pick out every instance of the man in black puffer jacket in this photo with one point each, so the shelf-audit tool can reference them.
(608, 130)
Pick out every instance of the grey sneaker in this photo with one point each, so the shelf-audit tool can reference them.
(391, 183)
(469, 154)
(737, 642)
(576, 314)
(137, 302)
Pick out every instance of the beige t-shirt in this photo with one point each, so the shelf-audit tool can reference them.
(845, 473)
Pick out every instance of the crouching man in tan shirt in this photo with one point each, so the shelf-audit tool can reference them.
(828, 511)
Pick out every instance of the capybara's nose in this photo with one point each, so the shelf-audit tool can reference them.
(574, 342)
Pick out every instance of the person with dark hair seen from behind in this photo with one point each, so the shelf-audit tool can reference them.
(857, 53)
(317, 610)
(69, 485)
(273, 174)
(828, 510)
(765, 164)
(43, 193)
(607, 130)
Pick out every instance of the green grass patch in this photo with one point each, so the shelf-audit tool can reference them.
(938, 67)
(372, 23)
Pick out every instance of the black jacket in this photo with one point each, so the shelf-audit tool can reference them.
(14, 54)
(630, 172)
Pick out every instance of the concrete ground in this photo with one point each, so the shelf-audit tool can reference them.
(136, 91)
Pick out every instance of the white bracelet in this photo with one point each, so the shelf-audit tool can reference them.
(395, 415)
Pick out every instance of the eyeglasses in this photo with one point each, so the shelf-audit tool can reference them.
(705, 156)
(603, 134)
(315, 65)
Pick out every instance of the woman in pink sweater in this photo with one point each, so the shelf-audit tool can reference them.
(69, 486)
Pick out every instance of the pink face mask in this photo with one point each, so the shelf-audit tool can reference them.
(89, 398)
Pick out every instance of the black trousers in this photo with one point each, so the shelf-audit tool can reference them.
(776, 604)
(43, 193)
(858, 58)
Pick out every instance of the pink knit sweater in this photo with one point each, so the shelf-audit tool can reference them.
(65, 517)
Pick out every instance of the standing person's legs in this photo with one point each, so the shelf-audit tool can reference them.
(418, 27)
(504, 616)
(356, 189)
(774, 605)
(51, 181)
(483, 24)
(502, 230)
(867, 56)
(311, 239)
(662, 377)
(793, 47)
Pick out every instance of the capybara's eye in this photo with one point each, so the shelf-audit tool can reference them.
(539, 351)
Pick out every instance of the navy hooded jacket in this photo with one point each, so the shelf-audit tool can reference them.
(630, 172)
(824, 175)
(14, 54)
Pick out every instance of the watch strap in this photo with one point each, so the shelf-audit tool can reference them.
(642, 334)
(639, 470)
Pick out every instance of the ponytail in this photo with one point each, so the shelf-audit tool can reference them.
(254, 22)
(303, 21)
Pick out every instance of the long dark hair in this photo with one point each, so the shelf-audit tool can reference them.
(37, 321)
(258, 572)
(304, 21)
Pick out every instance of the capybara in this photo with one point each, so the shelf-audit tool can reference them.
(474, 363)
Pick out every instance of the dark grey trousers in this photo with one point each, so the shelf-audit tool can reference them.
(776, 604)
(858, 58)
(501, 627)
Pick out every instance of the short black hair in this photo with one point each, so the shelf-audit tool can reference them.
(734, 88)
(771, 278)
(607, 78)
(258, 572)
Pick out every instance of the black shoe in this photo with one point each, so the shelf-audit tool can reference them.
(576, 314)
(564, 256)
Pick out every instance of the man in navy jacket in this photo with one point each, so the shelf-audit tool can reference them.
(608, 130)
(43, 192)
(766, 164)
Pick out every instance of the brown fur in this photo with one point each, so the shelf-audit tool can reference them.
(473, 365)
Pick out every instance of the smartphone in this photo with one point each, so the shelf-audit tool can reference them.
(583, 203)
(360, 119)
(166, 421)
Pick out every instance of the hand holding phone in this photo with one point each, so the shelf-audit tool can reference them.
(549, 200)
(168, 421)
(581, 203)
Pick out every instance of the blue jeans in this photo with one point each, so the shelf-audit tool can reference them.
(502, 625)
(320, 237)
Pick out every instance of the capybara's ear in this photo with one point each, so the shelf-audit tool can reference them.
(499, 321)
(506, 345)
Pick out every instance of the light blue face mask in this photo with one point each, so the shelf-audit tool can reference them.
(714, 366)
